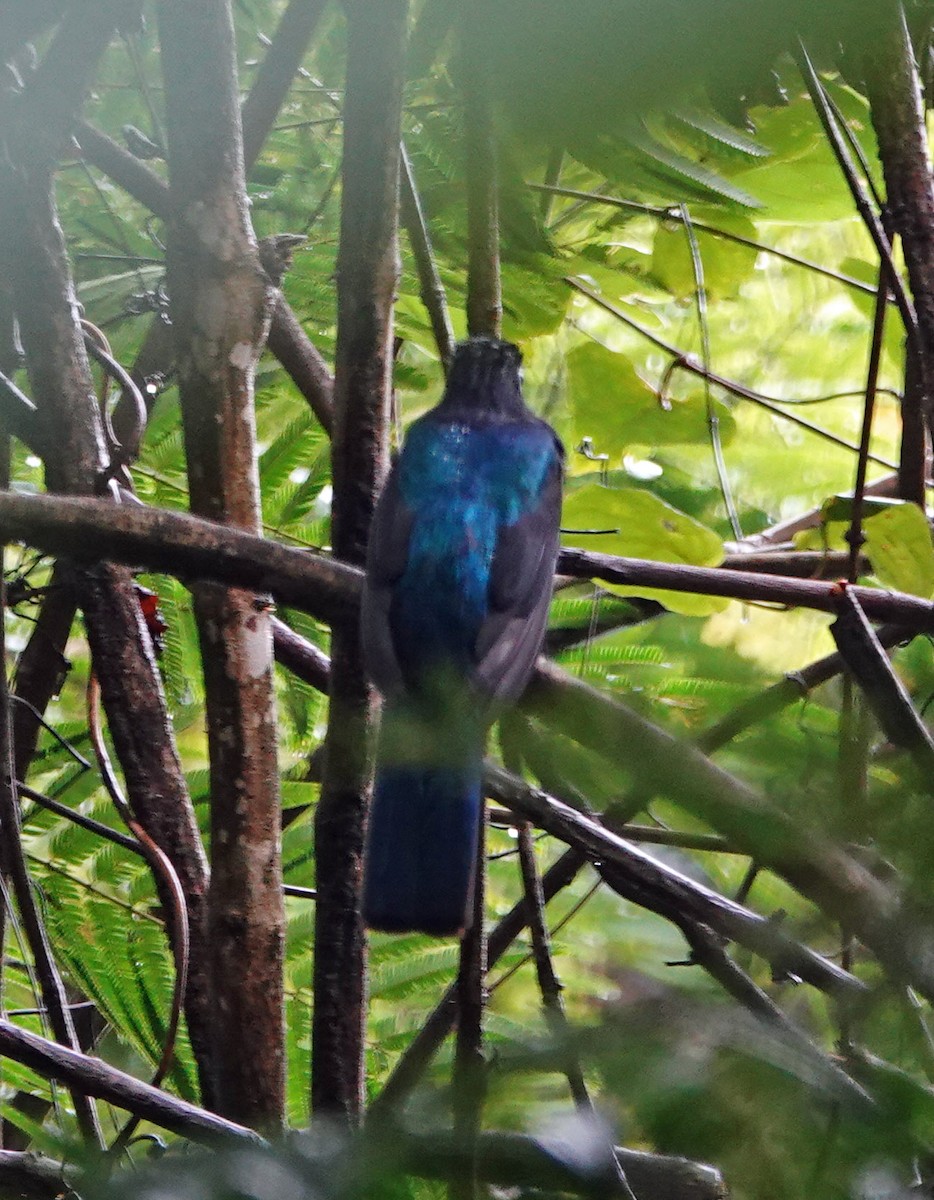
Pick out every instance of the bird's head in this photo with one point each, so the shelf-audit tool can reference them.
(486, 376)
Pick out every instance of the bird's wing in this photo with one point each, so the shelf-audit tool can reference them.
(387, 554)
(519, 594)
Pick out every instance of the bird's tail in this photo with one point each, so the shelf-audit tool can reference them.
(422, 847)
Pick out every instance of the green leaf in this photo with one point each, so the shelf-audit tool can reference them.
(898, 542)
(644, 527)
(617, 409)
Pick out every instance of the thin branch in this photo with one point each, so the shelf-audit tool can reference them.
(793, 687)
(887, 695)
(899, 120)
(708, 952)
(686, 363)
(713, 421)
(50, 981)
(415, 1058)
(431, 288)
(649, 883)
(484, 292)
(870, 218)
(277, 72)
(96, 1078)
(548, 983)
(854, 535)
(674, 214)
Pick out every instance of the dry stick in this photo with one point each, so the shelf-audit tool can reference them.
(367, 277)
(276, 73)
(419, 1052)
(96, 1078)
(795, 686)
(50, 981)
(219, 304)
(511, 730)
(431, 288)
(686, 363)
(162, 869)
(708, 952)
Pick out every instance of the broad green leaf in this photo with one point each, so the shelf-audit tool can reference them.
(643, 527)
(898, 542)
(617, 409)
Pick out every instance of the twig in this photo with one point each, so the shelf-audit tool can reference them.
(674, 214)
(651, 884)
(713, 421)
(855, 536)
(864, 207)
(429, 279)
(708, 952)
(484, 295)
(794, 686)
(277, 71)
(686, 363)
(419, 1052)
(548, 983)
(50, 981)
(162, 869)
(899, 121)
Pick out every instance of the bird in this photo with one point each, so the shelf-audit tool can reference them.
(459, 572)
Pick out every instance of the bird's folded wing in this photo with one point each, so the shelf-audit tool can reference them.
(519, 595)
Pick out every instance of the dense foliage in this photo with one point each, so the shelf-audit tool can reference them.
(694, 294)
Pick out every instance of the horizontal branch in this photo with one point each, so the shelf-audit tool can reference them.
(191, 548)
(515, 1160)
(86, 530)
(910, 611)
(96, 1078)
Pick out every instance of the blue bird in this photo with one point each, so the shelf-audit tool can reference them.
(459, 572)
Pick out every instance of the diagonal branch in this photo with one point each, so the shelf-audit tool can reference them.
(98, 1079)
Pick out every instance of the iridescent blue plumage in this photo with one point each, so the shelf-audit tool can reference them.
(458, 582)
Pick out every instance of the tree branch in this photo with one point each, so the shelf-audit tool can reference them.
(96, 1078)
(367, 278)
(220, 304)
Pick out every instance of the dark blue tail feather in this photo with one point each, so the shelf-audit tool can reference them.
(422, 849)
